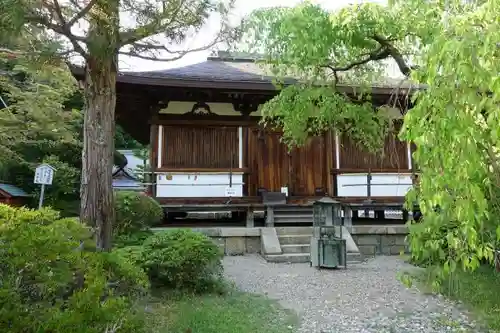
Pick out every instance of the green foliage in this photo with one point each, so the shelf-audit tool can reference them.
(135, 238)
(131, 253)
(52, 275)
(123, 140)
(325, 52)
(179, 259)
(135, 211)
(99, 46)
(474, 289)
(452, 48)
(471, 289)
(143, 154)
(455, 127)
(303, 111)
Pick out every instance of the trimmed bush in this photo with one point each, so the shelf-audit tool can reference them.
(133, 239)
(135, 211)
(179, 259)
(132, 254)
(52, 280)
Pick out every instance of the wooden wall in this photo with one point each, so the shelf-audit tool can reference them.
(268, 161)
(302, 170)
(393, 157)
(306, 171)
(199, 147)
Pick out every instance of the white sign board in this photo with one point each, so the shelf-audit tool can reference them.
(44, 174)
(230, 192)
(284, 190)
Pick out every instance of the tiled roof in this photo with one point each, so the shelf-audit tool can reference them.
(127, 172)
(225, 68)
(228, 72)
(12, 190)
(212, 70)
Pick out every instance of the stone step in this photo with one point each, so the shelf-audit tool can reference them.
(352, 258)
(296, 248)
(288, 257)
(294, 231)
(294, 239)
(355, 258)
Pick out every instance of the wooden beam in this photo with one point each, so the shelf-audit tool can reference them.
(372, 170)
(169, 119)
(224, 170)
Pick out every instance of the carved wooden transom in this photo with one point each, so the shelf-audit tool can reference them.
(201, 109)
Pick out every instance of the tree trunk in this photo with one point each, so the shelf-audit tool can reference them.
(97, 202)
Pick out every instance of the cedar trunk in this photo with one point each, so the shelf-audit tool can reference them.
(97, 202)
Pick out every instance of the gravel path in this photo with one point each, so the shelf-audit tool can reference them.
(364, 298)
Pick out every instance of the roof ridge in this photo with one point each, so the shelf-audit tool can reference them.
(228, 56)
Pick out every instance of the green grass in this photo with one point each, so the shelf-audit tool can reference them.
(234, 312)
(479, 291)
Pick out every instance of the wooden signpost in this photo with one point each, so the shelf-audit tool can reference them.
(44, 175)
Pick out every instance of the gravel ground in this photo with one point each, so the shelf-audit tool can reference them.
(363, 298)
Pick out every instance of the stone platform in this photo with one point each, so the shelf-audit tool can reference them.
(292, 243)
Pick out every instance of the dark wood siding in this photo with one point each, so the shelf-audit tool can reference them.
(200, 147)
(309, 167)
(268, 161)
(393, 157)
(303, 169)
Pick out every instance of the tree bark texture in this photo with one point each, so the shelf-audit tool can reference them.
(96, 193)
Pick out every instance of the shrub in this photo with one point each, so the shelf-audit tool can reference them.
(135, 211)
(181, 259)
(135, 238)
(49, 276)
(432, 232)
(132, 254)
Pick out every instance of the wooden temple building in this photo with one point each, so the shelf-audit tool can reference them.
(209, 153)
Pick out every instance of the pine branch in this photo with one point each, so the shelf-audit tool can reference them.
(150, 29)
(84, 11)
(59, 13)
(138, 48)
(14, 53)
(151, 58)
(62, 28)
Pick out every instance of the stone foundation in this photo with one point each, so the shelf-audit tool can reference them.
(234, 241)
(371, 240)
(382, 240)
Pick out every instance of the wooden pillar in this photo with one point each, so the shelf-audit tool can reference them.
(329, 163)
(154, 148)
(291, 181)
(153, 153)
(405, 215)
(379, 214)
